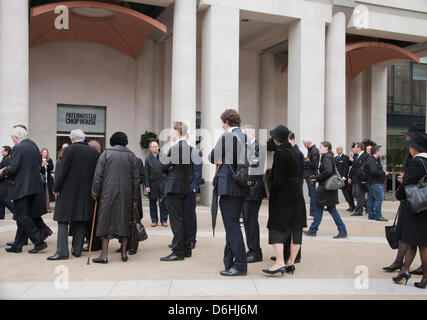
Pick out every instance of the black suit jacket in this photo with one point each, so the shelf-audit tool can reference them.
(343, 165)
(177, 166)
(357, 163)
(153, 175)
(23, 170)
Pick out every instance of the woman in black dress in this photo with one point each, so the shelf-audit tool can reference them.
(47, 164)
(413, 226)
(286, 211)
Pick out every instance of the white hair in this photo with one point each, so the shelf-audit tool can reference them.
(307, 140)
(19, 132)
(77, 135)
(249, 129)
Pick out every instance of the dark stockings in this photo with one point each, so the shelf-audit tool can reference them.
(411, 251)
(423, 254)
(124, 246)
(401, 252)
(104, 253)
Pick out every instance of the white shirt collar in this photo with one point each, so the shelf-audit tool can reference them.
(231, 129)
(178, 141)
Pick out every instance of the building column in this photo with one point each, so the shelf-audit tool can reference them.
(267, 112)
(14, 67)
(354, 110)
(378, 110)
(306, 72)
(335, 108)
(183, 91)
(220, 79)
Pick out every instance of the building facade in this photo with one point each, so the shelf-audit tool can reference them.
(337, 70)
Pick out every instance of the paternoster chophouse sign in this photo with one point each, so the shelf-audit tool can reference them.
(90, 119)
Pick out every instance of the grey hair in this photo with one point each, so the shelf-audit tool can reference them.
(249, 128)
(77, 135)
(20, 132)
(307, 140)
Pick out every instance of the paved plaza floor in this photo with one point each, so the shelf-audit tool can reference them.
(330, 269)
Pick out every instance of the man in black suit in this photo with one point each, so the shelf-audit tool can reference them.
(177, 166)
(253, 201)
(25, 189)
(343, 165)
(357, 177)
(229, 152)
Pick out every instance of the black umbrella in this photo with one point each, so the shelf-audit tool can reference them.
(214, 204)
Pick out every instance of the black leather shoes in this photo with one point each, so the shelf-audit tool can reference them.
(286, 261)
(14, 249)
(187, 254)
(57, 257)
(393, 267)
(382, 219)
(351, 209)
(172, 257)
(418, 272)
(356, 214)
(233, 272)
(132, 251)
(340, 236)
(38, 248)
(11, 244)
(192, 245)
(124, 258)
(100, 260)
(253, 258)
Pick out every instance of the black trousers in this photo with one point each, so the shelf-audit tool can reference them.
(180, 223)
(79, 233)
(234, 252)
(190, 208)
(348, 194)
(250, 220)
(27, 227)
(360, 196)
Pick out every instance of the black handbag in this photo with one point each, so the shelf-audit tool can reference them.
(392, 234)
(137, 230)
(416, 194)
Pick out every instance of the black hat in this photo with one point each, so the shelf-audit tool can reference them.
(413, 129)
(280, 133)
(419, 142)
(119, 138)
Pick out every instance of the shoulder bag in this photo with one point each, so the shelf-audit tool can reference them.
(392, 234)
(334, 182)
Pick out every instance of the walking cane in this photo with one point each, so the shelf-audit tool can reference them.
(91, 234)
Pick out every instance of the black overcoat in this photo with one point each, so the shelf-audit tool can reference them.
(327, 168)
(412, 227)
(73, 181)
(3, 180)
(115, 185)
(286, 209)
(154, 178)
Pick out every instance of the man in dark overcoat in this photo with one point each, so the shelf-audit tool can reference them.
(25, 189)
(72, 188)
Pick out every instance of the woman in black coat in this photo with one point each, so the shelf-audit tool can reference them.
(47, 179)
(286, 210)
(116, 185)
(326, 198)
(413, 226)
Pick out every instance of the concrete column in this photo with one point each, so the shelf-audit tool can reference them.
(167, 84)
(220, 78)
(14, 67)
(306, 71)
(144, 93)
(183, 95)
(379, 106)
(268, 119)
(335, 108)
(159, 73)
(354, 110)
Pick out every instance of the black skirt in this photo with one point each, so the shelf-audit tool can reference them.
(412, 227)
(281, 236)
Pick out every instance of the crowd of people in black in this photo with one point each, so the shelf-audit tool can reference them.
(86, 178)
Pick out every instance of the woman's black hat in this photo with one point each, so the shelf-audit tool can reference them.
(119, 138)
(280, 133)
(414, 128)
(419, 142)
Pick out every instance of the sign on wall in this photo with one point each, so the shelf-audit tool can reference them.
(90, 119)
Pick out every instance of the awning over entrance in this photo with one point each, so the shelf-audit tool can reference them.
(111, 25)
(362, 55)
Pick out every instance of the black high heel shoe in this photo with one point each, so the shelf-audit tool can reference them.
(402, 278)
(422, 284)
(124, 258)
(290, 269)
(282, 270)
(393, 267)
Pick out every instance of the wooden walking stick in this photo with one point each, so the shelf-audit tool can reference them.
(91, 234)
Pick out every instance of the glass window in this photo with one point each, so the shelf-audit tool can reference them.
(402, 83)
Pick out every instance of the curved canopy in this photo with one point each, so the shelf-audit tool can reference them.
(362, 55)
(111, 25)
